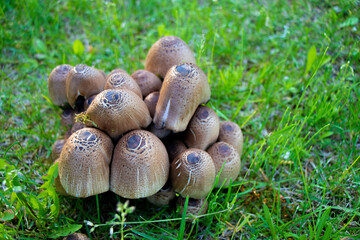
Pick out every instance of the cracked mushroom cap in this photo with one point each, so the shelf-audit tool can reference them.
(122, 80)
(203, 129)
(184, 88)
(167, 52)
(84, 163)
(147, 81)
(231, 133)
(117, 111)
(83, 81)
(192, 173)
(140, 166)
(195, 207)
(226, 157)
(57, 84)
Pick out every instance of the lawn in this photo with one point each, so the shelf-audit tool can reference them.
(286, 71)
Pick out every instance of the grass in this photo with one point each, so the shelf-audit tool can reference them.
(286, 71)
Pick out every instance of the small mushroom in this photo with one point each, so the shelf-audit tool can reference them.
(84, 163)
(227, 160)
(76, 236)
(140, 165)
(57, 84)
(184, 88)
(167, 52)
(151, 101)
(163, 197)
(195, 207)
(88, 101)
(67, 117)
(231, 133)
(174, 147)
(117, 111)
(203, 129)
(83, 81)
(122, 80)
(192, 173)
(147, 81)
(56, 148)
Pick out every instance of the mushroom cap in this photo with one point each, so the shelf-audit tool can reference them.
(140, 165)
(117, 111)
(122, 80)
(58, 187)
(163, 197)
(147, 81)
(88, 101)
(184, 88)
(57, 84)
(174, 147)
(76, 236)
(231, 133)
(67, 117)
(56, 148)
(224, 154)
(192, 173)
(83, 81)
(167, 52)
(151, 101)
(203, 129)
(159, 132)
(195, 207)
(84, 163)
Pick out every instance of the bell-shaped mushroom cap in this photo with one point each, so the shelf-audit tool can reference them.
(117, 70)
(147, 81)
(195, 207)
(226, 157)
(57, 84)
(83, 81)
(67, 117)
(174, 147)
(76, 236)
(117, 111)
(84, 163)
(151, 101)
(122, 80)
(167, 52)
(163, 197)
(184, 88)
(203, 129)
(231, 133)
(56, 148)
(192, 173)
(140, 166)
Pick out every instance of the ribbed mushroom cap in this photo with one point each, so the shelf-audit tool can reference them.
(140, 166)
(56, 148)
(151, 101)
(83, 81)
(76, 236)
(57, 84)
(203, 129)
(117, 111)
(174, 147)
(195, 207)
(67, 117)
(122, 80)
(163, 197)
(231, 133)
(192, 173)
(184, 88)
(223, 153)
(147, 81)
(167, 52)
(84, 163)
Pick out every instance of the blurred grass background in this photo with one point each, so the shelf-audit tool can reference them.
(286, 71)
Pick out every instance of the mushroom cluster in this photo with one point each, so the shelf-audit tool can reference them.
(144, 135)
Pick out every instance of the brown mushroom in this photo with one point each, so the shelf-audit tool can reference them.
(203, 129)
(227, 160)
(117, 111)
(151, 101)
(122, 80)
(192, 173)
(56, 148)
(163, 197)
(88, 101)
(57, 84)
(174, 147)
(67, 117)
(231, 133)
(195, 207)
(76, 236)
(167, 52)
(83, 81)
(147, 81)
(84, 163)
(140, 166)
(184, 88)
(58, 187)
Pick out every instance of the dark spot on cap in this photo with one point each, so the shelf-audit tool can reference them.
(193, 158)
(134, 141)
(228, 127)
(85, 135)
(193, 202)
(183, 69)
(67, 112)
(224, 150)
(203, 113)
(117, 79)
(80, 68)
(64, 68)
(112, 97)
